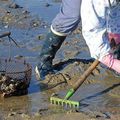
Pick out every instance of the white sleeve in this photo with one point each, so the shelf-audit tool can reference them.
(93, 16)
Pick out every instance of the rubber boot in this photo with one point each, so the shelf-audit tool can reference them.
(50, 47)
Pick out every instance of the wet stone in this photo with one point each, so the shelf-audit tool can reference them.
(47, 5)
(25, 12)
(37, 114)
(40, 37)
(107, 115)
(25, 116)
(12, 114)
(14, 6)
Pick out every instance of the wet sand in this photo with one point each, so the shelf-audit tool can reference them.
(99, 95)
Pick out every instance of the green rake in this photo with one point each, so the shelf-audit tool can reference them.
(66, 101)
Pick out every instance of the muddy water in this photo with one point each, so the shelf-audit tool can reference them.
(39, 7)
(99, 96)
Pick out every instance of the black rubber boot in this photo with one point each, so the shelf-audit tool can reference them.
(50, 47)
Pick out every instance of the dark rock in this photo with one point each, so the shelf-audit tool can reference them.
(14, 6)
(47, 5)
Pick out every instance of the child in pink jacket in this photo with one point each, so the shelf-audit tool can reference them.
(100, 27)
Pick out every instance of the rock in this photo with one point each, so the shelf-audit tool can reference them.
(40, 37)
(6, 26)
(14, 6)
(25, 12)
(35, 23)
(8, 11)
(47, 5)
(54, 94)
(107, 115)
(37, 114)
(12, 114)
(25, 116)
(19, 57)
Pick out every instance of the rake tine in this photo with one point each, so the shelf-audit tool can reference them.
(63, 102)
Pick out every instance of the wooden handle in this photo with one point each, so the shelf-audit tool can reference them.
(5, 34)
(85, 75)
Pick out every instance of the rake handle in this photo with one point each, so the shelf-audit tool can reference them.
(5, 34)
(85, 75)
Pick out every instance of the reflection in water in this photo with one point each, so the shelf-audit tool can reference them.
(101, 92)
(21, 104)
(29, 103)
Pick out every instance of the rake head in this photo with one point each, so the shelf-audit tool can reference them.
(63, 102)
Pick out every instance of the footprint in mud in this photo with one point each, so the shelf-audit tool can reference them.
(54, 81)
(74, 68)
(68, 73)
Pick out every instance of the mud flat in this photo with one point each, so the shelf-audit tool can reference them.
(99, 95)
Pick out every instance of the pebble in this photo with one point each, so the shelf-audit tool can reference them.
(19, 57)
(6, 26)
(12, 114)
(47, 5)
(25, 116)
(54, 94)
(25, 12)
(108, 115)
(40, 37)
(37, 114)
